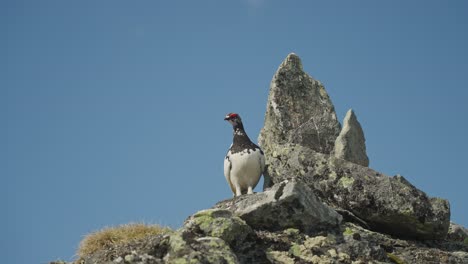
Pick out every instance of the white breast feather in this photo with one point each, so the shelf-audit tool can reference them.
(246, 168)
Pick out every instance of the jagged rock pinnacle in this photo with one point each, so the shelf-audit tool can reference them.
(292, 62)
(299, 110)
(350, 144)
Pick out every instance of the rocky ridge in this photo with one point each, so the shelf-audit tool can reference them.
(320, 204)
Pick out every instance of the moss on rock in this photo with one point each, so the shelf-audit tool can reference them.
(346, 182)
(295, 250)
(199, 250)
(395, 259)
(348, 231)
(292, 232)
(279, 257)
(222, 224)
(217, 251)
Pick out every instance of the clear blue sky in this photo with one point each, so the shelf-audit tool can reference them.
(112, 111)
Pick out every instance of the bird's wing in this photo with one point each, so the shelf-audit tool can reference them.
(227, 171)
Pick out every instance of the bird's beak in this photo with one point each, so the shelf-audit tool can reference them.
(226, 118)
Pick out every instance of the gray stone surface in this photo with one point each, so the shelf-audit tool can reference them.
(403, 251)
(388, 204)
(350, 144)
(457, 233)
(219, 223)
(287, 204)
(299, 110)
(431, 255)
(186, 247)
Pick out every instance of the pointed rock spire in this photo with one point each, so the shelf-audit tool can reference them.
(299, 110)
(350, 144)
(292, 63)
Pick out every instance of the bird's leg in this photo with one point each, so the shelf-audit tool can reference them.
(238, 190)
(250, 191)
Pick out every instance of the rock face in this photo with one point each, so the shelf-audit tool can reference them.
(206, 237)
(350, 144)
(457, 233)
(288, 204)
(221, 224)
(299, 110)
(387, 204)
(322, 204)
(390, 205)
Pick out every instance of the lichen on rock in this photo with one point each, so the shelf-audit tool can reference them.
(219, 223)
(299, 110)
(185, 247)
(289, 204)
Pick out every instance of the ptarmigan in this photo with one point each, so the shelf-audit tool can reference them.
(244, 162)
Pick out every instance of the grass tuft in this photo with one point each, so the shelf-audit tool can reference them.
(114, 236)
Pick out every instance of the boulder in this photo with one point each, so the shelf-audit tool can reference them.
(288, 204)
(299, 110)
(401, 251)
(279, 257)
(185, 248)
(457, 233)
(388, 204)
(350, 144)
(219, 223)
(428, 255)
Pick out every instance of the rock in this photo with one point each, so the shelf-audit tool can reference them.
(357, 248)
(130, 258)
(388, 204)
(210, 236)
(401, 251)
(299, 110)
(219, 223)
(350, 144)
(457, 233)
(279, 257)
(185, 249)
(336, 249)
(430, 255)
(288, 204)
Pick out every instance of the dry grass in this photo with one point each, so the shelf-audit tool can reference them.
(114, 236)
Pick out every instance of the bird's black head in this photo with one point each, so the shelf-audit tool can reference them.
(234, 119)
